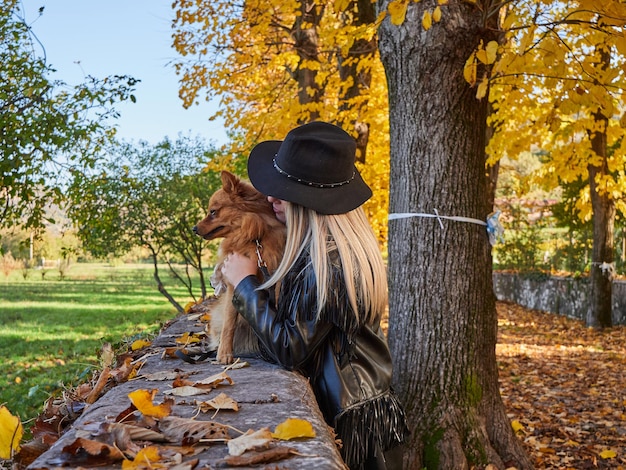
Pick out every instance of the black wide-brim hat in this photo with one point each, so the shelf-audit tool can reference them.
(312, 167)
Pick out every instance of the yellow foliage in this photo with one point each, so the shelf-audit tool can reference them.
(252, 65)
(543, 77)
(483, 87)
(427, 20)
(470, 69)
(549, 82)
(437, 15)
(397, 11)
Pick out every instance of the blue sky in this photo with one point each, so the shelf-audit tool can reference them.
(123, 37)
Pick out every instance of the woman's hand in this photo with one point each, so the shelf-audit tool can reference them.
(236, 267)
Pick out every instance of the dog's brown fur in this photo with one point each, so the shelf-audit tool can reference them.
(240, 215)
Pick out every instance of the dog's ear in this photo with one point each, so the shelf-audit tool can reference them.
(229, 182)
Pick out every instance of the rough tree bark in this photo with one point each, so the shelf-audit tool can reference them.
(306, 43)
(443, 323)
(600, 313)
(358, 79)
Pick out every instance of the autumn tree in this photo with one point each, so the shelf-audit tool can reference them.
(442, 325)
(276, 64)
(558, 86)
(46, 126)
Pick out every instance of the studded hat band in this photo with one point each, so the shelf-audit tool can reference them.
(311, 183)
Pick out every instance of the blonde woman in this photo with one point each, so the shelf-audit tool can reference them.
(333, 290)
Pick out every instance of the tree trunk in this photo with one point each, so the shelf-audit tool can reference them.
(443, 323)
(599, 314)
(306, 41)
(358, 78)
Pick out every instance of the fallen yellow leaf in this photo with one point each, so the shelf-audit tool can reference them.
(148, 457)
(140, 344)
(11, 432)
(293, 428)
(142, 399)
(608, 454)
(188, 338)
(517, 426)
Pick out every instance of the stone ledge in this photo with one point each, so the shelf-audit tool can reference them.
(253, 388)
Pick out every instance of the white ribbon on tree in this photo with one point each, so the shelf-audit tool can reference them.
(494, 229)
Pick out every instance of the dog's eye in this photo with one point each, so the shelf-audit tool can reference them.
(212, 212)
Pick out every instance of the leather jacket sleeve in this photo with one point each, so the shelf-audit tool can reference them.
(290, 337)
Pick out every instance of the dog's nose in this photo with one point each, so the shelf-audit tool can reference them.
(195, 229)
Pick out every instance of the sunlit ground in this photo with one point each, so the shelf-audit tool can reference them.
(564, 388)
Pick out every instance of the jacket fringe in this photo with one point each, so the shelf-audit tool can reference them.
(378, 423)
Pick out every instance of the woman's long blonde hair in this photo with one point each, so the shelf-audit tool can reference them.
(363, 268)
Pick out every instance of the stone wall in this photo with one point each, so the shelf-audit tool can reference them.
(563, 295)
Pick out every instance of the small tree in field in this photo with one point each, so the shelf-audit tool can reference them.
(8, 264)
(149, 196)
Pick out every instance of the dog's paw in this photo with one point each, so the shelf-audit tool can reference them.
(225, 355)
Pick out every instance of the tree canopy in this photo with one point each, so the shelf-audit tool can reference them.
(273, 65)
(553, 73)
(47, 128)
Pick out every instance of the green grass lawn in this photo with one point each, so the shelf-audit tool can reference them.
(51, 330)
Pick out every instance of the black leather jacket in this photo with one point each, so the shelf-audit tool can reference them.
(349, 365)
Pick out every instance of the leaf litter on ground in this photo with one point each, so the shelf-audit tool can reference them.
(564, 388)
(562, 385)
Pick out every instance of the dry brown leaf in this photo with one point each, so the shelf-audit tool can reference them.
(215, 380)
(103, 452)
(97, 389)
(220, 402)
(237, 365)
(140, 433)
(124, 371)
(107, 355)
(266, 456)
(187, 391)
(161, 375)
(250, 440)
(189, 431)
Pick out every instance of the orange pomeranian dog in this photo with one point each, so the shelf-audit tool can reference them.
(244, 219)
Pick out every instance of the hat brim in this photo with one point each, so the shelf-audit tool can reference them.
(337, 200)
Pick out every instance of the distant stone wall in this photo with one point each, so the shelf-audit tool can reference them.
(563, 295)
